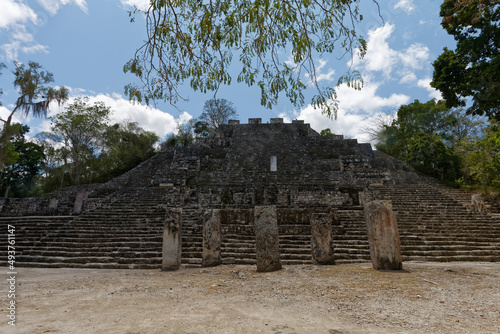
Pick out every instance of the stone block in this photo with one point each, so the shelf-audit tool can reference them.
(383, 235)
(322, 238)
(53, 203)
(276, 120)
(254, 120)
(212, 238)
(172, 245)
(233, 122)
(478, 203)
(81, 196)
(266, 238)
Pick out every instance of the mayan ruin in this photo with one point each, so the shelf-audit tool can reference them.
(277, 191)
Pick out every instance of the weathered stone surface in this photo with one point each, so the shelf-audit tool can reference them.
(266, 238)
(322, 238)
(478, 203)
(383, 236)
(82, 195)
(212, 238)
(53, 203)
(171, 250)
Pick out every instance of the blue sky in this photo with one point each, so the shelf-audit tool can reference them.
(85, 44)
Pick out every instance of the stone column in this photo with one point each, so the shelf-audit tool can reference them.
(383, 235)
(81, 196)
(172, 243)
(212, 238)
(322, 238)
(266, 238)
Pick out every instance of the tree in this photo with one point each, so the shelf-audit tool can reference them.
(202, 129)
(217, 112)
(481, 158)
(19, 174)
(184, 136)
(326, 132)
(473, 68)
(125, 146)
(275, 42)
(80, 129)
(422, 135)
(95, 155)
(34, 98)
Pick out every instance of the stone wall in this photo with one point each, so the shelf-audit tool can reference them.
(60, 202)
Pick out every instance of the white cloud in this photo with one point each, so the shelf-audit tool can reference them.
(348, 124)
(366, 100)
(53, 6)
(13, 12)
(15, 15)
(380, 57)
(149, 118)
(408, 78)
(406, 5)
(416, 56)
(320, 75)
(433, 93)
(21, 41)
(360, 109)
(141, 4)
(4, 114)
(357, 110)
(286, 117)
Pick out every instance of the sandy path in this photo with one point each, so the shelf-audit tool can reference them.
(342, 299)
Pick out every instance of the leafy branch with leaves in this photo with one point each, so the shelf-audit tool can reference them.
(276, 42)
(35, 97)
(472, 70)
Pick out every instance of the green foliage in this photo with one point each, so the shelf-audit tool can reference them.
(184, 136)
(124, 147)
(421, 135)
(429, 154)
(326, 132)
(35, 97)
(202, 129)
(34, 94)
(481, 159)
(82, 148)
(20, 174)
(217, 112)
(80, 129)
(446, 144)
(275, 42)
(473, 68)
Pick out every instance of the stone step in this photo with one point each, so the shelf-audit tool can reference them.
(40, 264)
(68, 253)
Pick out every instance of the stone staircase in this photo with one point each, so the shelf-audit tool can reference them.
(192, 236)
(126, 232)
(351, 244)
(436, 227)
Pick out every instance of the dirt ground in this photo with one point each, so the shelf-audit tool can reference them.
(341, 299)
